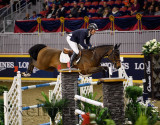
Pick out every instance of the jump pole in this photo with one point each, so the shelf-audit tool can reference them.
(113, 98)
(69, 90)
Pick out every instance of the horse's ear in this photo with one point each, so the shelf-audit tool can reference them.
(117, 46)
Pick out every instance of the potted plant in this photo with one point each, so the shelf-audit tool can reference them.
(151, 47)
(52, 107)
(138, 110)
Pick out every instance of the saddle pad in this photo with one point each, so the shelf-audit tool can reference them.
(64, 58)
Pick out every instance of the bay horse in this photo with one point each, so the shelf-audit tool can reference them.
(46, 58)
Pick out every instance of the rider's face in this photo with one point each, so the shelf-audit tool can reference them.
(93, 31)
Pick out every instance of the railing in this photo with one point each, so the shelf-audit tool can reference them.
(3, 13)
(18, 14)
(131, 41)
(4, 9)
(8, 17)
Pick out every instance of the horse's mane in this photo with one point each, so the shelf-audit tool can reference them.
(99, 46)
(102, 46)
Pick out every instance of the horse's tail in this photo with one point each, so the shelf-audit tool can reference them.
(34, 50)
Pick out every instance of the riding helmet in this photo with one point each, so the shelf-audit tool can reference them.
(93, 26)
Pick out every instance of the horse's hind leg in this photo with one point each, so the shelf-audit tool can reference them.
(30, 68)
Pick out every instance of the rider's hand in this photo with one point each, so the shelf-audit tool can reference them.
(90, 47)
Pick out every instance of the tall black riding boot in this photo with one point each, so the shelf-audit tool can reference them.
(72, 59)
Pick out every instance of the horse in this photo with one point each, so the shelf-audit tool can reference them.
(48, 59)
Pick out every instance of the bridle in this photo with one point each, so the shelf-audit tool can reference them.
(114, 61)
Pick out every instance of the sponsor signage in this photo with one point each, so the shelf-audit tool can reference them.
(148, 76)
(10, 65)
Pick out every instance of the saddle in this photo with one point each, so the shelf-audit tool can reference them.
(68, 51)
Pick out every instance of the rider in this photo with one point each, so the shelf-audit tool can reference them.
(80, 37)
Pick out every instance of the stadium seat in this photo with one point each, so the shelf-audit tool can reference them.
(125, 2)
(72, 4)
(94, 5)
(110, 3)
(129, 9)
(92, 10)
(80, 3)
(87, 4)
(101, 3)
(68, 11)
(123, 9)
(92, 13)
(117, 2)
(43, 13)
(66, 4)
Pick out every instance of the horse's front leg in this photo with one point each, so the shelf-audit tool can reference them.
(30, 69)
(99, 69)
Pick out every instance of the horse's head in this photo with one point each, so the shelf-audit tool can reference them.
(114, 56)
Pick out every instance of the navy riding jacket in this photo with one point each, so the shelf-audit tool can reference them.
(80, 36)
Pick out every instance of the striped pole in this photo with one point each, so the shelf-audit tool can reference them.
(81, 98)
(33, 106)
(87, 84)
(45, 123)
(79, 112)
(38, 86)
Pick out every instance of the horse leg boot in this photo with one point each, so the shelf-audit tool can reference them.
(74, 55)
(30, 69)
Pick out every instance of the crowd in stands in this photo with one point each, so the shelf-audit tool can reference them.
(96, 8)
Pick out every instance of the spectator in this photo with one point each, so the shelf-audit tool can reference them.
(33, 2)
(145, 6)
(52, 12)
(27, 17)
(135, 8)
(53, 1)
(157, 11)
(141, 4)
(81, 1)
(149, 11)
(115, 12)
(45, 3)
(153, 3)
(58, 2)
(74, 11)
(82, 10)
(34, 17)
(60, 12)
(44, 13)
(101, 9)
(106, 12)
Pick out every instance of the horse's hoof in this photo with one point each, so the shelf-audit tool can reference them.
(25, 75)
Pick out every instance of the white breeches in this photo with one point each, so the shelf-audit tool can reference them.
(73, 45)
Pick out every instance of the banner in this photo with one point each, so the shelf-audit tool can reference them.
(10, 65)
(123, 23)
